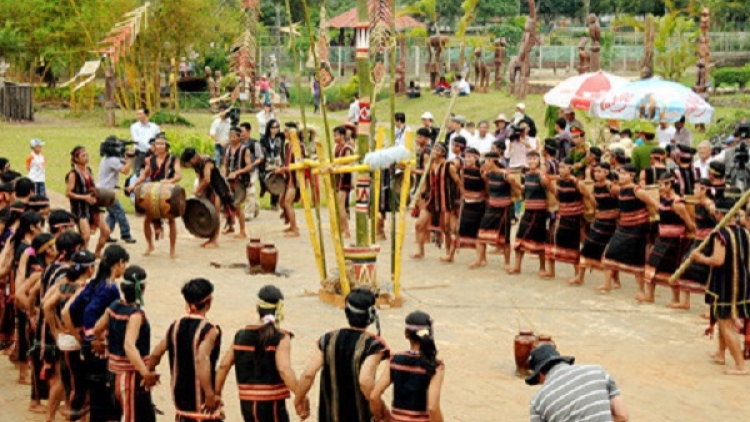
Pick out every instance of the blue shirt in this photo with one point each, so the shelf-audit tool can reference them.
(91, 304)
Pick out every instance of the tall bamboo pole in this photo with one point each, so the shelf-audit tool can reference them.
(365, 91)
(392, 102)
(377, 177)
(399, 242)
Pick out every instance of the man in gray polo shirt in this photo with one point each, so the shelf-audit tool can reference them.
(110, 169)
(572, 393)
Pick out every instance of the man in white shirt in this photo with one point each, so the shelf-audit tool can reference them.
(682, 135)
(141, 133)
(353, 116)
(264, 116)
(484, 139)
(703, 159)
(456, 124)
(220, 133)
(664, 133)
(400, 119)
(463, 86)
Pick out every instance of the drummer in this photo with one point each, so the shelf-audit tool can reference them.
(110, 169)
(238, 166)
(161, 167)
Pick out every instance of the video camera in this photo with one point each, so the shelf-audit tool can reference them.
(741, 155)
(233, 115)
(744, 130)
(114, 147)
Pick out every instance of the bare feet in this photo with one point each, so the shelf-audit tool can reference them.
(496, 251)
(288, 229)
(604, 288)
(446, 259)
(148, 251)
(24, 381)
(545, 274)
(241, 235)
(346, 235)
(616, 284)
(507, 268)
(717, 359)
(478, 264)
(706, 315)
(228, 230)
(737, 371)
(172, 255)
(210, 245)
(416, 256)
(678, 305)
(514, 271)
(381, 236)
(292, 233)
(574, 282)
(37, 408)
(643, 298)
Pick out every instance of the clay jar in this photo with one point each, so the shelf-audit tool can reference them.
(253, 252)
(269, 257)
(522, 346)
(545, 339)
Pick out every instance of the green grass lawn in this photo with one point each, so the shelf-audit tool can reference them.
(61, 131)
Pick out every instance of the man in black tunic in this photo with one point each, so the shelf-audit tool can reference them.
(349, 358)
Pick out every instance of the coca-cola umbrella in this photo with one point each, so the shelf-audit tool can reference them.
(579, 91)
(653, 99)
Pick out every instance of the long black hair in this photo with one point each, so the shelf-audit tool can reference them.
(419, 330)
(112, 256)
(27, 220)
(80, 262)
(267, 132)
(270, 309)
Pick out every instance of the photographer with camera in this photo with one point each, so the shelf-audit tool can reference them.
(737, 156)
(142, 132)
(115, 161)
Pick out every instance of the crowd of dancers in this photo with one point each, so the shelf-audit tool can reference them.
(74, 324)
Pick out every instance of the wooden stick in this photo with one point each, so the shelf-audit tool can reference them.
(405, 186)
(305, 195)
(423, 179)
(379, 138)
(724, 221)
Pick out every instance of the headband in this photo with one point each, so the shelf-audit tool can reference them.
(46, 246)
(138, 292)
(79, 265)
(371, 311)
(277, 316)
(420, 330)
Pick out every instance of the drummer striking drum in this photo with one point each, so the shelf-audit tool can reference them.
(161, 167)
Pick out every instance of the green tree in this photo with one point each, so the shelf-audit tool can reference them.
(487, 9)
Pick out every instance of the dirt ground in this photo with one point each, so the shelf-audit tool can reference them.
(658, 356)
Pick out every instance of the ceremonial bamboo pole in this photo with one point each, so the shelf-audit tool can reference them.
(392, 103)
(335, 231)
(724, 221)
(405, 186)
(305, 195)
(423, 179)
(376, 188)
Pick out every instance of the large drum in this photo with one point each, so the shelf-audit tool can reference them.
(105, 198)
(275, 183)
(201, 218)
(160, 200)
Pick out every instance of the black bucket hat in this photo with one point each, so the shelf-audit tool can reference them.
(542, 358)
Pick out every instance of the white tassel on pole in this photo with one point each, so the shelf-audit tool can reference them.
(386, 157)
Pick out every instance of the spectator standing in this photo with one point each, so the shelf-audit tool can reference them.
(572, 393)
(522, 117)
(264, 116)
(110, 169)
(570, 116)
(256, 157)
(142, 132)
(353, 116)
(428, 120)
(641, 156)
(457, 124)
(562, 135)
(483, 140)
(665, 133)
(682, 134)
(502, 131)
(36, 166)
(703, 159)
(219, 132)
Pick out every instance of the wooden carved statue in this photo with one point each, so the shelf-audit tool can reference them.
(514, 73)
(595, 32)
(212, 88)
(583, 56)
(481, 72)
(401, 68)
(647, 66)
(499, 61)
(704, 54)
(110, 85)
(435, 45)
(524, 55)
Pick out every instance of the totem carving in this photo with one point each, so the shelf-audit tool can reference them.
(401, 68)
(704, 55)
(499, 61)
(435, 46)
(481, 72)
(647, 66)
(583, 57)
(595, 32)
(523, 71)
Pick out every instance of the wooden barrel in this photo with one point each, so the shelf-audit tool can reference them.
(160, 200)
(653, 192)
(105, 198)
(201, 218)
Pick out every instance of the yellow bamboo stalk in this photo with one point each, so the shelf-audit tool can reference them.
(305, 195)
(338, 247)
(359, 168)
(346, 160)
(379, 139)
(405, 186)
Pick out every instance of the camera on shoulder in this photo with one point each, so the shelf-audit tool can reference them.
(115, 147)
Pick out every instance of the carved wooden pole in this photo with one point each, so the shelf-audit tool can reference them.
(109, 96)
(500, 44)
(362, 32)
(647, 66)
(595, 33)
(529, 39)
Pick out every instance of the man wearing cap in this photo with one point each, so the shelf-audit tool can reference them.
(219, 132)
(457, 126)
(524, 118)
(665, 133)
(641, 155)
(427, 122)
(502, 131)
(682, 135)
(570, 116)
(141, 133)
(578, 153)
(563, 139)
(36, 164)
(572, 393)
(110, 169)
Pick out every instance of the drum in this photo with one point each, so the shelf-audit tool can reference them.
(160, 200)
(653, 192)
(105, 198)
(590, 213)
(275, 183)
(516, 194)
(201, 218)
